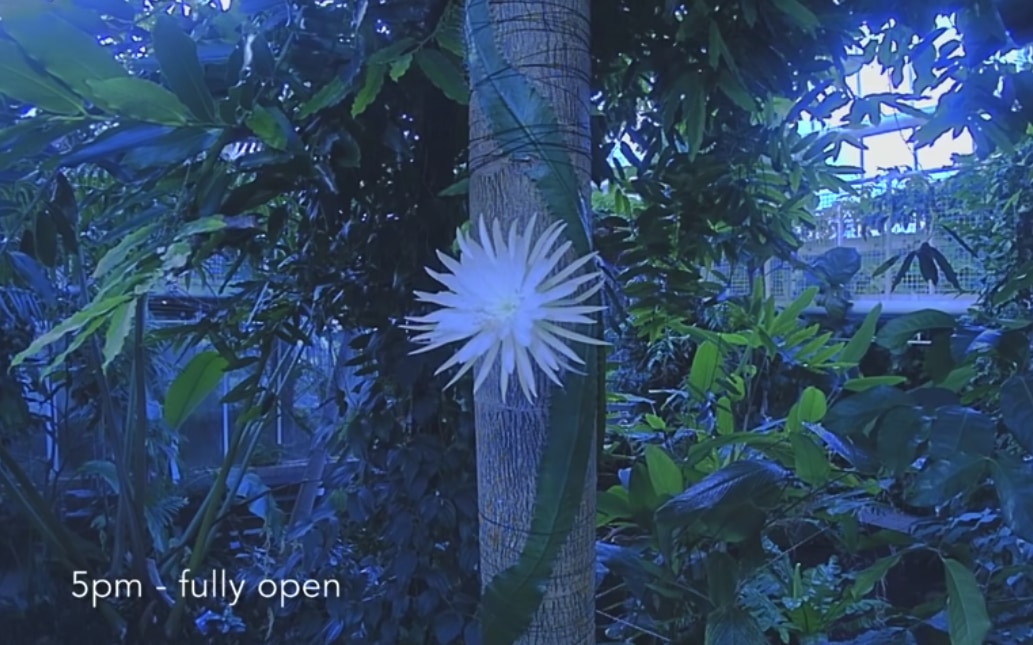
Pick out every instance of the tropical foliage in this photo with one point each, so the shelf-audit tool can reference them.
(282, 173)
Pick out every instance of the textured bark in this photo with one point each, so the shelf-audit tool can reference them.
(547, 41)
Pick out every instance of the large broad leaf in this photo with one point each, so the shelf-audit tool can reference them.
(850, 415)
(1014, 482)
(957, 429)
(19, 81)
(942, 479)
(523, 123)
(177, 54)
(64, 50)
(706, 365)
(733, 626)
(896, 333)
(192, 386)
(966, 608)
(1017, 409)
(897, 434)
(728, 504)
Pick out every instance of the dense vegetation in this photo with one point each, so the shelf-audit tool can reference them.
(776, 475)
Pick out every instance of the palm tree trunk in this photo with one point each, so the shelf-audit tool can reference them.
(547, 42)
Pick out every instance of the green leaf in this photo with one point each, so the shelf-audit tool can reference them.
(444, 73)
(72, 55)
(271, 126)
(943, 479)
(192, 386)
(812, 405)
(119, 326)
(328, 96)
(811, 463)
(730, 625)
(399, 67)
(522, 122)
(861, 341)
(1017, 409)
(800, 14)
(139, 99)
(372, 83)
(896, 333)
(706, 365)
(868, 382)
(19, 81)
(664, 474)
(1014, 482)
(728, 504)
(966, 608)
(180, 68)
(957, 429)
(722, 578)
(866, 579)
(896, 438)
(75, 322)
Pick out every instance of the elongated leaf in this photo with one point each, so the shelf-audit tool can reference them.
(139, 99)
(868, 382)
(445, 74)
(192, 386)
(706, 365)
(372, 83)
(524, 123)
(118, 330)
(861, 341)
(19, 81)
(64, 50)
(812, 405)
(75, 322)
(810, 462)
(328, 96)
(966, 608)
(177, 55)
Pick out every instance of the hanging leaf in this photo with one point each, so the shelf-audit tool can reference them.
(180, 68)
(904, 268)
(119, 326)
(966, 608)
(444, 73)
(927, 265)
(328, 96)
(885, 266)
(192, 386)
(372, 83)
(945, 268)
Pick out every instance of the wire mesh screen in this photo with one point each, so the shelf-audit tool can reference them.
(891, 218)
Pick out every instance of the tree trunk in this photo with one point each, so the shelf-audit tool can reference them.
(546, 41)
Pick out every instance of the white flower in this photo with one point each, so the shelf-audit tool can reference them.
(502, 301)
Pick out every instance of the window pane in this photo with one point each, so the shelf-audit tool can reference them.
(887, 151)
(940, 153)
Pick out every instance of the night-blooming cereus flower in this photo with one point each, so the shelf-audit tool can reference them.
(504, 302)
